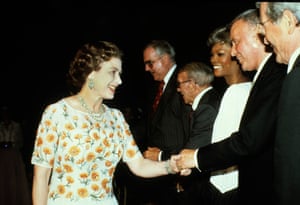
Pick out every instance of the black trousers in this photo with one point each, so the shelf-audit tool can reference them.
(215, 197)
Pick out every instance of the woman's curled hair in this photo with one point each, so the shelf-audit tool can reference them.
(90, 58)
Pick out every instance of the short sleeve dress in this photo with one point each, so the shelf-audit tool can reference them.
(82, 152)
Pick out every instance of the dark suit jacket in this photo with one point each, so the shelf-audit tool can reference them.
(169, 126)
(251, 148)
(202, 120)
(287, 141)
(201, 126)
(167, 129)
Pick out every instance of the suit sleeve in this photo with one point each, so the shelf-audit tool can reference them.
(202, 126)
(256, 131)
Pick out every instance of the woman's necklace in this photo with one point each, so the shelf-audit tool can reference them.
(95, 115)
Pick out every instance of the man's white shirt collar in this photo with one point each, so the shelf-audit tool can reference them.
(169, 74)
(198, 98)
(293, 59)
(261, 65)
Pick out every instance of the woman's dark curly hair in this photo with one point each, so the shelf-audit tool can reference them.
(219, 35)
(89, 58)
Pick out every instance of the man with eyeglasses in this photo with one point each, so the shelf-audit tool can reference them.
(194, 81)
(282, 31)
(167, 125)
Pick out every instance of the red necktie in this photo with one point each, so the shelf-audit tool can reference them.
(158, 95)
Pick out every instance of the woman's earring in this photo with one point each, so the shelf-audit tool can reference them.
(91, 84)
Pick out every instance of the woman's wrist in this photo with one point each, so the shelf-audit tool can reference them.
(168, 167)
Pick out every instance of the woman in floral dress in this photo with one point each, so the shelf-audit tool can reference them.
(80, 140)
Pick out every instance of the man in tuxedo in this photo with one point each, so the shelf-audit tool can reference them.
(281, 21)
(167, 126)
(195, 85)
(251, 147)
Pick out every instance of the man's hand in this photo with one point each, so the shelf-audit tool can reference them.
(152, 153)
(173, 165)
(186, 159)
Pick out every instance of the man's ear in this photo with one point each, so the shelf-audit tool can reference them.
(291, 21)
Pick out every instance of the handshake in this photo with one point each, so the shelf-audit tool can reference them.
(183, 162)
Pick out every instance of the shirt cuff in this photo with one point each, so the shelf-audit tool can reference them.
(159, 156)
(196, 160)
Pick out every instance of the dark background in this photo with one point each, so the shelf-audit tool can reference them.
(40, 38)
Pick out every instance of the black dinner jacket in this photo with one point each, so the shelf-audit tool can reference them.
(201, 127)
(287, 141)
(168, 127)
(202, 120)
(251, 147)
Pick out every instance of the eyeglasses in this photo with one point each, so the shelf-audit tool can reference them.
(183, 82)
(266, 21)
(150, 63)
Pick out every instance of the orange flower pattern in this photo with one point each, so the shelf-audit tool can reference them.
(83, 153)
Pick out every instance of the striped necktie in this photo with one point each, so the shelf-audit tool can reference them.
(158, 95)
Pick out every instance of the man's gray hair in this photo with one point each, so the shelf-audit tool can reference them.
(275, 9)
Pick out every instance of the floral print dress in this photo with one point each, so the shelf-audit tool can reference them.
(82, 152)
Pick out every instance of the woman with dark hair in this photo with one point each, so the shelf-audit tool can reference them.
(224, 182)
